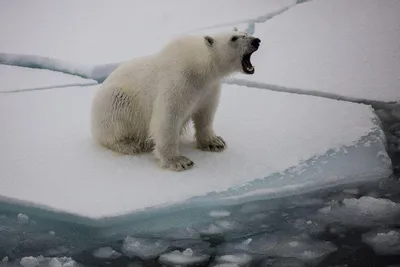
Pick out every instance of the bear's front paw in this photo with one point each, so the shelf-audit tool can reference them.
(215, 144)
(180, 163)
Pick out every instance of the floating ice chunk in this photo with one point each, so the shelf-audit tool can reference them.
(219, 213)
(182, 258)
(363, 211)
(275, 245)
(5, 259)
(239, 258)
(29, 262)
(143, 248)
(22, 218)
(106, 253)
(54, 262)
(70, 263)
(383, 242)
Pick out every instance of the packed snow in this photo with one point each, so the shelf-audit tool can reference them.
(285, 133)
(107, 32)
(342, 47)
(21, 79)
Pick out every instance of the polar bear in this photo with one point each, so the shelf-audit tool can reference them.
(145, 104)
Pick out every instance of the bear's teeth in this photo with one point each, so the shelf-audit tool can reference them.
(250, 68)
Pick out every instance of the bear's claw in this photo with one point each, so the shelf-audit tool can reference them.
(180, 163)
(214, 144)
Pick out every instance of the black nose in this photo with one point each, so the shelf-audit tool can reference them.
(256, 42)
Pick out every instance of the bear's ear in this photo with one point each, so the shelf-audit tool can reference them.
(209, 40)
(235, 29)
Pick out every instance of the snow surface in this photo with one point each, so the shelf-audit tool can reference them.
(17, 78)
(64, 170)
(106, 32)
(348, 48)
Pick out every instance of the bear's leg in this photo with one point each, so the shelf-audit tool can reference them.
(203, 120)
(166, 127)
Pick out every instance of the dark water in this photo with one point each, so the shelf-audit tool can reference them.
(333, 227)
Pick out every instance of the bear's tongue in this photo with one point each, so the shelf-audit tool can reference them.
(246, 63)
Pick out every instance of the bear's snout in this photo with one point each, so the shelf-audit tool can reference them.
(256, 43)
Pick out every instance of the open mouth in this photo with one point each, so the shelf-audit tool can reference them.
(248, 68)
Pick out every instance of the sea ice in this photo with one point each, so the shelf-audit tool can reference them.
(287, 162)
(143, 248)
(54, 262)
(22, 218)
(21, 79)
(281, 245)
(239, 258)
(108, 32)
(29, 262)
(106, 253)
(341, 47)
(383, 242)
(363, 211)
(185, 257)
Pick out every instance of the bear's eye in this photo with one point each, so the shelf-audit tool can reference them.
(234, 38)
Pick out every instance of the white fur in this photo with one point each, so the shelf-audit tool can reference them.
(146, 102)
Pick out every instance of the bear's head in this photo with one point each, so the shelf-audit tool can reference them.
(232, 50)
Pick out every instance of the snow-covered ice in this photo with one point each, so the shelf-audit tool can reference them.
(384, 242)
(289, 133)
(20, 79)
(342, 47)
(106, 32)
(60, 158)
